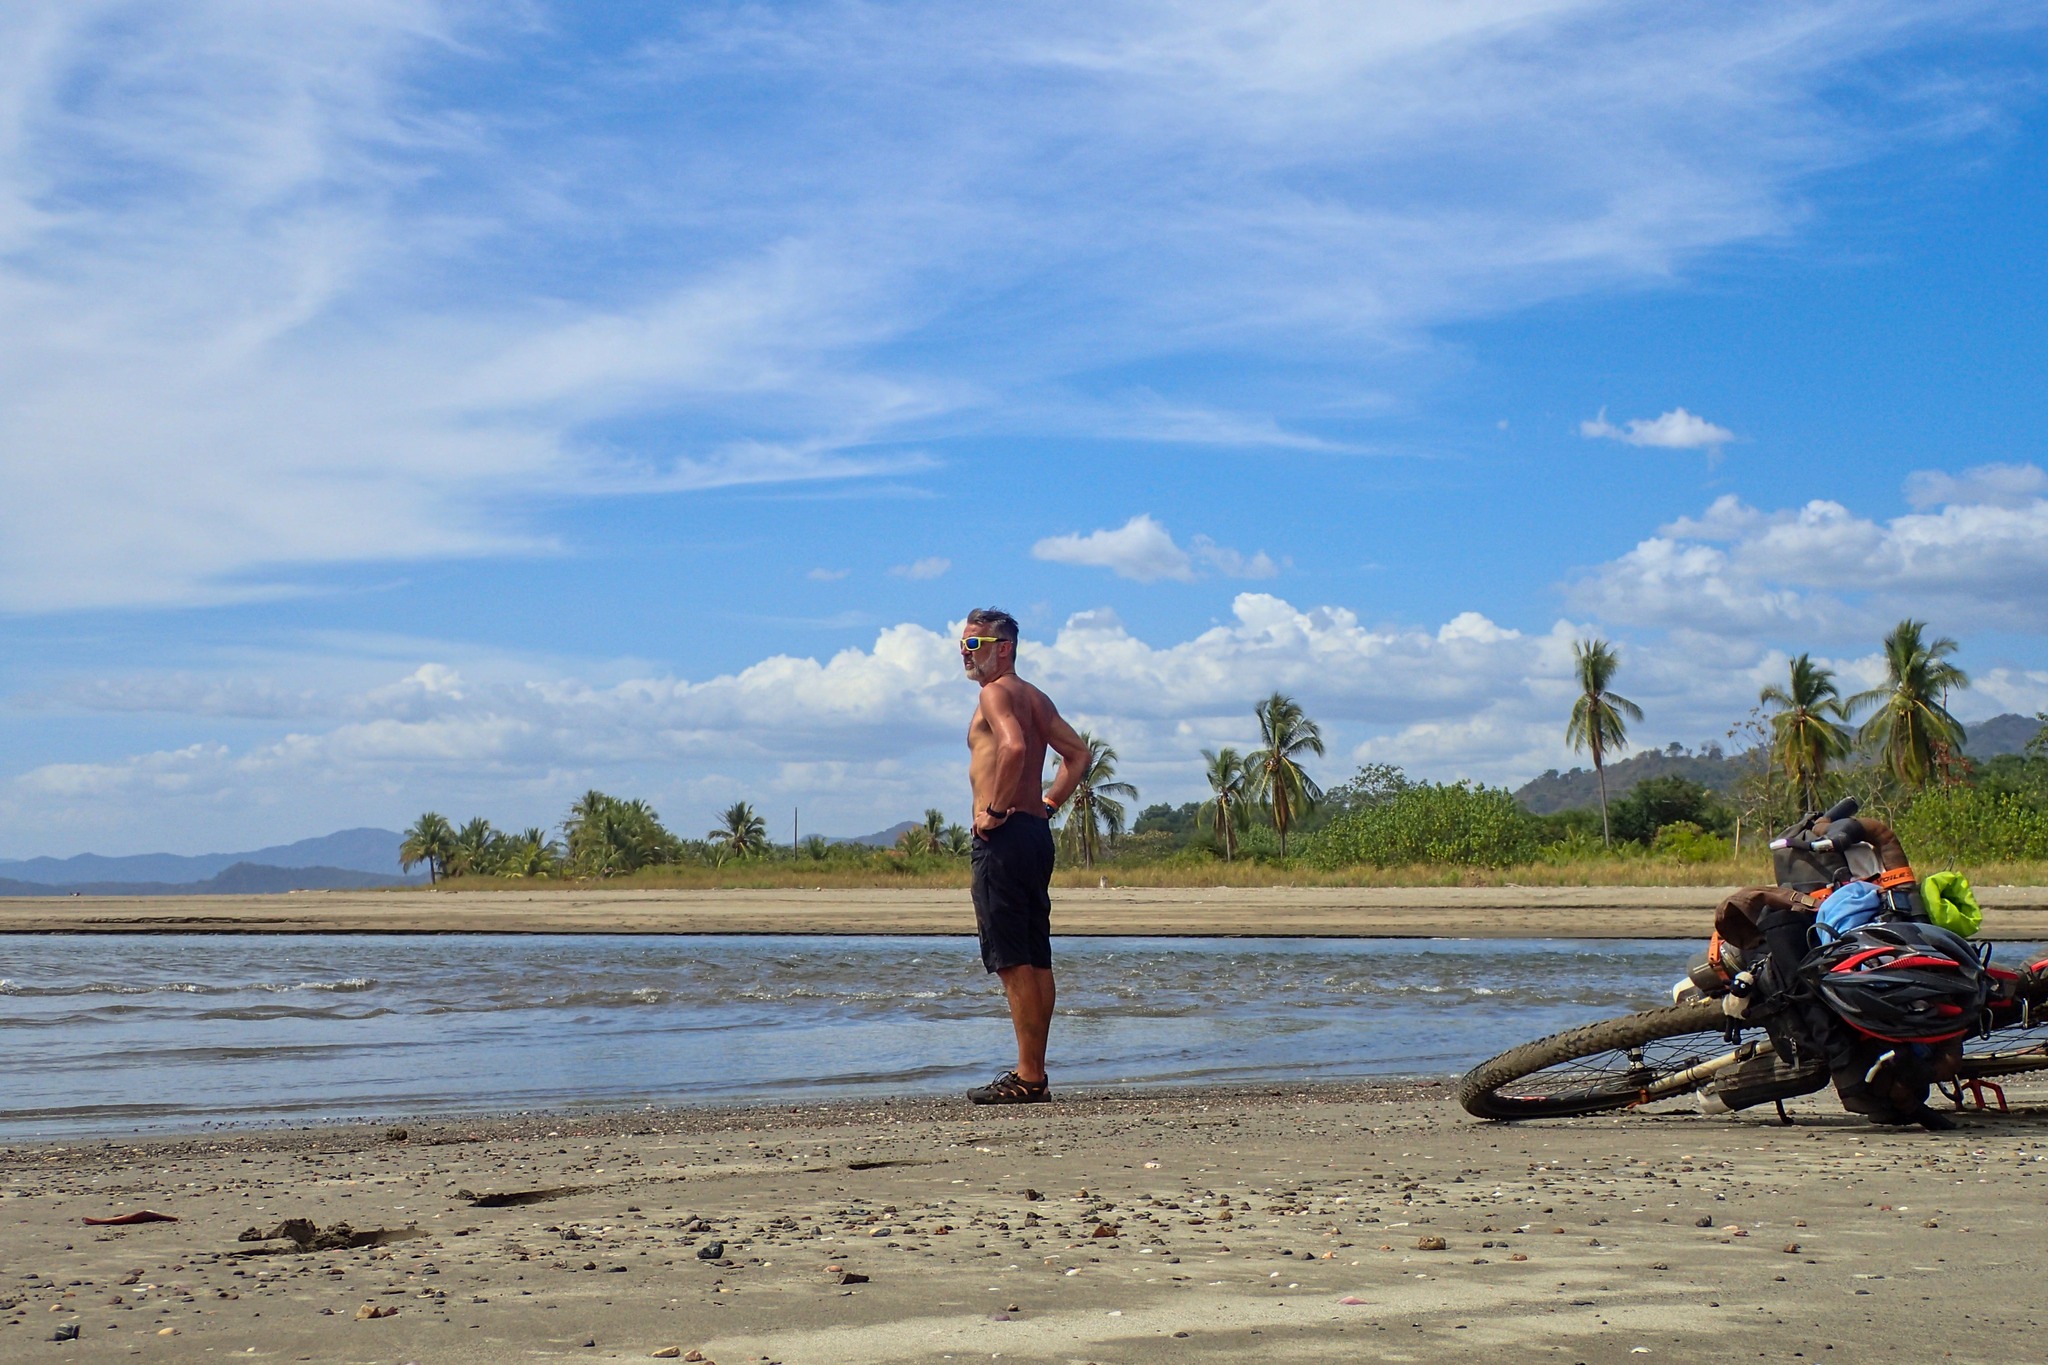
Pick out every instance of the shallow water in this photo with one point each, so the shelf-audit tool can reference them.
(115, 1033)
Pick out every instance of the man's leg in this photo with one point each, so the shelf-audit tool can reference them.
(1031, 994)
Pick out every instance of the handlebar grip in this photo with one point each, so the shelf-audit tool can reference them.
(1842, 809)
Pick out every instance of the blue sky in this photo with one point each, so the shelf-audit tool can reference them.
(412, 404)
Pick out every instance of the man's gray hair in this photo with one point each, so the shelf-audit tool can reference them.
(995, 621)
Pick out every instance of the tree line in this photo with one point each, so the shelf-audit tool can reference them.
(1803, 744)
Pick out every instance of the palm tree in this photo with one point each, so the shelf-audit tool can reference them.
(816, 848)
(1224, 810)
(1804, 733)
(931, 835)
(475, 850)
(958, 840)
(428, 841)
(1596, 721)
(608, 836)
(1273, 775)
(1094, 813)
(740, 833)
(1913, 732)
(532, 854)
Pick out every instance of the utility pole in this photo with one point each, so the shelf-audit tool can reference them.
(793, 813)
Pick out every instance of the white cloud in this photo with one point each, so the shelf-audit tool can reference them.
(826, 575)
(1143, 550)
(1674, 430)
(1999, 485)
(292, 286)
(1140, 549)
(1232, 563)
(932, 566)
(877, 729)
(1821, 572)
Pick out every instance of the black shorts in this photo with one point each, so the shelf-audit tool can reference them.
(1012, 896)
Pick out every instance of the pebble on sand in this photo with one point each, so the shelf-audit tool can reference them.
(1431, 1244)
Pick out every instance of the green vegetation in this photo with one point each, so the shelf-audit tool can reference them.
(1455, 825)
(1266, 820)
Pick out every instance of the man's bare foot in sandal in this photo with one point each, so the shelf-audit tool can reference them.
(1010, 1088)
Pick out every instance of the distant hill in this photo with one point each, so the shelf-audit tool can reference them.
(1556, 791)
(2006, 734)
(884, 839)
(238, 879)
(1711, 768)
(358, 850)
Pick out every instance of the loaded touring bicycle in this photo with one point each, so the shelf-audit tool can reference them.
(1848, 972)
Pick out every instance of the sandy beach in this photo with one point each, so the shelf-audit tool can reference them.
(1274, 1224)
(2019, 913)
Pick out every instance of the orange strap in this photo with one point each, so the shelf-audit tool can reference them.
(1894, 877)
(1822, 894)
(1714, 955)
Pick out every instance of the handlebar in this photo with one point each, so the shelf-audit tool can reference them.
(1800, 835)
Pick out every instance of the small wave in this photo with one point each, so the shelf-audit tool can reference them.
(265, 1012)
(347, 983)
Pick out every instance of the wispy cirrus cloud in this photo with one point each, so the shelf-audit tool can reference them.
(292, 287)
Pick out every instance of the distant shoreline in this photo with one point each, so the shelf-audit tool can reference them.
(1582, 912)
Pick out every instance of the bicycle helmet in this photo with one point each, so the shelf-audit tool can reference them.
(1901, 982)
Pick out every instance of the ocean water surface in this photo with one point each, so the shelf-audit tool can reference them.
(119, 1033)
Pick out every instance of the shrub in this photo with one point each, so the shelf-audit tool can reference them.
(1969, 824)
(1574, 846)
(1688, 843)
(1659, 801)
(1458, 824)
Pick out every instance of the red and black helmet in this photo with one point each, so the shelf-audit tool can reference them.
(1902, 982)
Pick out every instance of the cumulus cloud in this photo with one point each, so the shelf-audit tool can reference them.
(846, 734)
(1674, 430)
(826, 575)
(1144, 551)
(931, 566)
(1820, 571)
(1999, 485)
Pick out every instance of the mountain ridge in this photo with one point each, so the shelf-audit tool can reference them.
(1576, 788)
(363, 849)
(237, 879)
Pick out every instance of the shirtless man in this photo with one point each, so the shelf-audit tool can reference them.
(1013, 726)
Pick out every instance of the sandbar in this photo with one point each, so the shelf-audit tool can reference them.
(2018, 913)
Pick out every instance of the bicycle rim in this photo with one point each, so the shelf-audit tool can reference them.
(1612, 1064)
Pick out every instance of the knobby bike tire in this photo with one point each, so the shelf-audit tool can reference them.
(1490, 1090)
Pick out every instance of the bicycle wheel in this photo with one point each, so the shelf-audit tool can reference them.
(1613, 1064)
(2005, 1052)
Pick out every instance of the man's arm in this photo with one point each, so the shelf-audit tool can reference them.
(999, 709)
(1065, 741)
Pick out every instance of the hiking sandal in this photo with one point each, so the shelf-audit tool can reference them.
(1010, 1088)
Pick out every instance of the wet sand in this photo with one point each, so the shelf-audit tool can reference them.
(1349, 912)
(1270, 1225)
